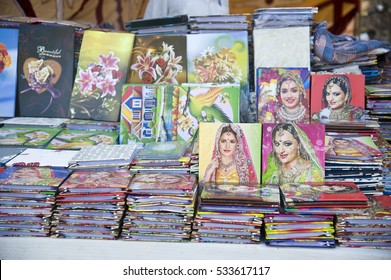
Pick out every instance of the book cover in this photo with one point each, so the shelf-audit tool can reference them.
(104, 155)
(37, 137)
(205, 103)
(322, 193)
(8, 70)
(293, 153)
(337, 96)
(33, 176)
(42, 157)
(76, 139)
(230, 153)
(163, 150)
(95, 180)
(102, 70)
(351, 148)
(46, 68)
(138, 111)
(158, 59)
(35, 121)
(163, 183)
(218, 57)
(283, 95)
(282, 47)
(239, 193)
(222, 58)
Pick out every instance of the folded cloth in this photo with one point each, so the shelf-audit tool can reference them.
(342, 48)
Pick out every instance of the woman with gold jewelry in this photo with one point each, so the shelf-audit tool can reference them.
(293, 158)
(336, 98)
(231, 159)
(291, 103)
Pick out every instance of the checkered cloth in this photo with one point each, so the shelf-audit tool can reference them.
(339, 49)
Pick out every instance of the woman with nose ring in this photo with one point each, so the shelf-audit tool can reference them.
(231, 159)
(293, 158)
(336, 98)
(291, 103)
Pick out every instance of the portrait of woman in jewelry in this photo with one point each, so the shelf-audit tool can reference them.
(230, 160)
(282, 95)
(336, 103)
(362, 147)
(322, 191)
(292, 157)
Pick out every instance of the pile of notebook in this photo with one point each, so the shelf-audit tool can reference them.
(354, 159)
(101, 156)
(323, 198)
(218, 23)
(371, 229)
(385, 149)
(294, 230)
(232, 213)
(170, 156)
(27, 198)
(160, 207)
(90, 204)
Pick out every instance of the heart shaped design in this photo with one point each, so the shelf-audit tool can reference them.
(41, 73)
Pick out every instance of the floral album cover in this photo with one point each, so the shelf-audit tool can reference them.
(230, 153)
(293, 153)
(102, 69)
(76, 139)
(8, 70)
(351, 148)
(283, 95)
(217, 58)
(337, 96)
(158, 59)
(46, 67)
(37, 137)
(205, 103)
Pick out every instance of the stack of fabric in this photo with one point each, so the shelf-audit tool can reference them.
(232, 213)
(160, 207)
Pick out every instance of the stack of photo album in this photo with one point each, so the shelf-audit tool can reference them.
(160, 207)
(232, 213)
(90, 204)
(371, 229)
(355, 159)
(171, 156)
(295, 230)
(27, 199)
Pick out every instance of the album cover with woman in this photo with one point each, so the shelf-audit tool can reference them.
(322, 194)
(283, 95)
(337, 96)
(293, 153)
(163, 183)
(240, 193)
(351, 148)
(230, 152)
